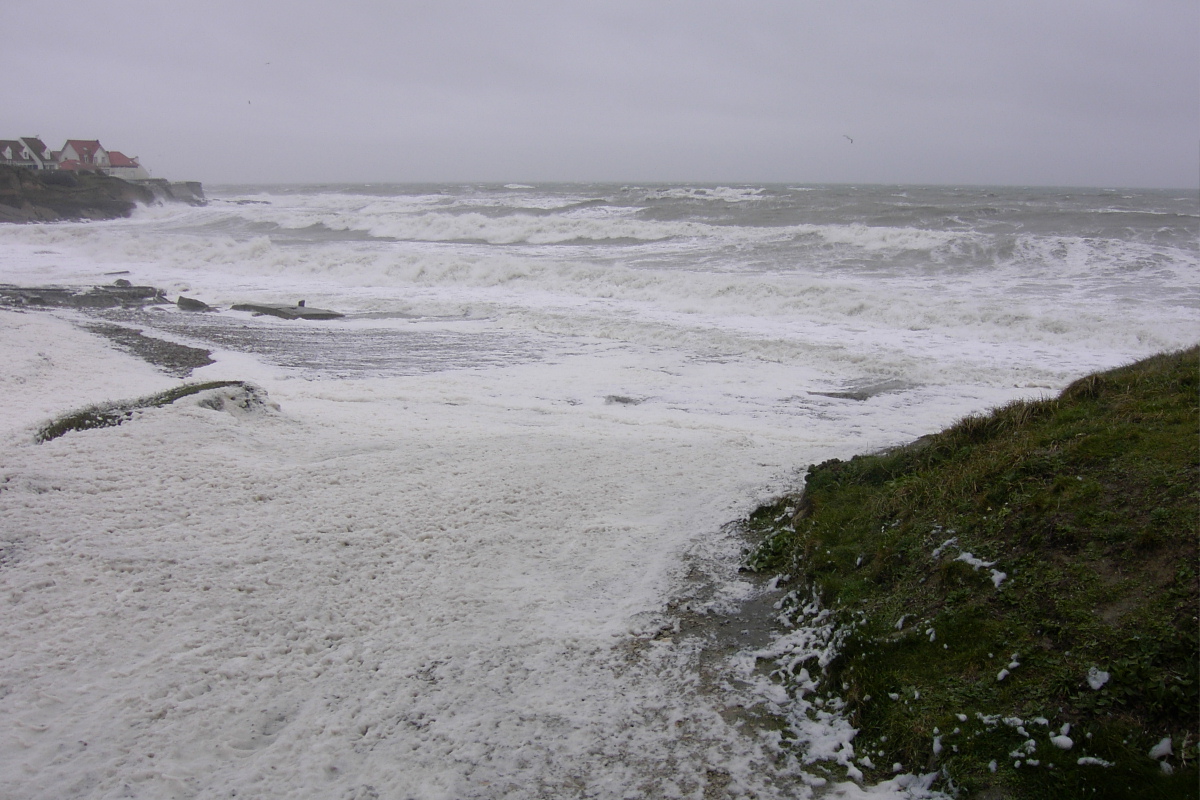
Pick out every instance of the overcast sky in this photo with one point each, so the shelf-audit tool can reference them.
(1087, 93)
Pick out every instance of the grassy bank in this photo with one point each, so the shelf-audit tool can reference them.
(1019, 591)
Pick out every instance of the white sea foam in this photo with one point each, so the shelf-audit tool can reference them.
(439, 599)
(726, 194)
(1096, 678)
(443, 568)
(795, 309)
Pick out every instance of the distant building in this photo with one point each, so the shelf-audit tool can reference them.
(27, 151)
(124, 167)
(89, 154)
(10, 152)
(37, 150)
(79, 154)
(76, 154)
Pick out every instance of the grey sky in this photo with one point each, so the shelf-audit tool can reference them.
(1094, 92)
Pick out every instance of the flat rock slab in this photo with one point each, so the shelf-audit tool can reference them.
(288, 312)
(121, 293)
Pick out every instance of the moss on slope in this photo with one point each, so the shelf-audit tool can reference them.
(108, 415)
(991, 573)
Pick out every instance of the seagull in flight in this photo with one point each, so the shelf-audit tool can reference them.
(851, 140)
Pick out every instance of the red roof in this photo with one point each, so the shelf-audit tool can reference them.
(118, 159)
(86, 148)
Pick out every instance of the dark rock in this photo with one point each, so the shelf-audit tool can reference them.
(28, 195)
(95, 300)
(31, 196)
(57, 178)
(188, 304)
(288, 312)
(121, 293)
(190, 192)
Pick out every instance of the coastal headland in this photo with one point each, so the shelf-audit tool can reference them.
(28, 195)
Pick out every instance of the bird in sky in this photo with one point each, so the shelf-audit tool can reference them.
(851, 140)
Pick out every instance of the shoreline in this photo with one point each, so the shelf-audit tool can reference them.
(172, 358)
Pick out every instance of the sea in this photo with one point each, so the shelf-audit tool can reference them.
(482, 540)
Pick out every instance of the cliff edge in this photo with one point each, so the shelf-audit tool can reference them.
(35, 196)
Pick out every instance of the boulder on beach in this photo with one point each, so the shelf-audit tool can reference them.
(188, 304)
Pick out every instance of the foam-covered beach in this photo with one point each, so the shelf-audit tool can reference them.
(450, 556)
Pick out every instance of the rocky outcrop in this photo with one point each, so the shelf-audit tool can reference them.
(120, 293)
(28, 195)
(190, 192)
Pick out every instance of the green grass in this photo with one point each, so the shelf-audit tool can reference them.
(107, 415)
(1089, 503)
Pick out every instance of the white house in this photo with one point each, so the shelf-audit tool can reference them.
(124, 167)
(83, 154)
(27, 151)
(76, 154)
(89, 154)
